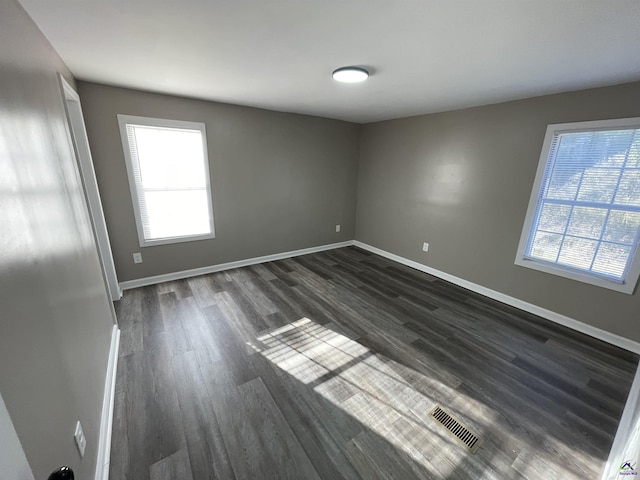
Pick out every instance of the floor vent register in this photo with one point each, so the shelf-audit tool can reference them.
(456, 428)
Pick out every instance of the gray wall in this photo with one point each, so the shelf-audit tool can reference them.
(461, 181)
(55, 317)
(280, 181)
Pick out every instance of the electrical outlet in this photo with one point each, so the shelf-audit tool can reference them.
(80, 439)
(425, 247)
(137, 257)
(337, 228)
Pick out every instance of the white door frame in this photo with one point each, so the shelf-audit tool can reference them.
(78, 131)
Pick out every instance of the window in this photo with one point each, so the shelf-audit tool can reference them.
(168, 173)
(583, 220)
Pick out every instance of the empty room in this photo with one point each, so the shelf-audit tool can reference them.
(319, 240)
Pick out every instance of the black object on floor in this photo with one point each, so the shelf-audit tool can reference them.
(62, 473)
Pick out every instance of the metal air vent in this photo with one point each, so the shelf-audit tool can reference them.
(456, 428)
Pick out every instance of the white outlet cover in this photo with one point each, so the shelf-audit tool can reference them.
(337, 228)
(81, 441)
(425, 247)
(137, 257)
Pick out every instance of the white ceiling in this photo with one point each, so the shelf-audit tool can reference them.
(425, 55)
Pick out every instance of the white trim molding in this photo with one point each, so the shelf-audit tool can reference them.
(106, 420)
(569, 322)
(167, 277)
(80, 145)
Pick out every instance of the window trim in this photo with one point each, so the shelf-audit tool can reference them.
(123, 121)
(629, 282)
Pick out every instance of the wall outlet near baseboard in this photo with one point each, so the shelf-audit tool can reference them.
(80, 439)
(425, 247)
(137, 257)
(337, 228)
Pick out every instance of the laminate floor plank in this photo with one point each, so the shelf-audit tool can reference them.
(376, 459)
(172, 311)
(161, 409)
(130, 320)
(257, 297)
(203, 290)
(280, 297)
(206, 452)
(234, 299)
(175, 466)
(329, 422)
(308, 263)
(197, 331)
(280, 271)
(261, 443)
(300, 302)
(360, 312)
(218, 282)
(179, 287)
(263, 272)
(321, 309)
(325, 366)
(324, 452)
(398, 284)
(228, 343)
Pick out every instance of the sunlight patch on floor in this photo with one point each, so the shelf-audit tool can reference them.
(370, 388)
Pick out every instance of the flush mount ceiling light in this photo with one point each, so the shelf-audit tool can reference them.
(350, 74)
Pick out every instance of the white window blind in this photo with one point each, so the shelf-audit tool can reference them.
(169, 179)
(584, 215)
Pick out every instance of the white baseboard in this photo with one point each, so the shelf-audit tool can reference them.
(167, 277)
(569, 322)
(106, 420)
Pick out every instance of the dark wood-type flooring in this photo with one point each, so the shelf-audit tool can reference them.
(325, 366)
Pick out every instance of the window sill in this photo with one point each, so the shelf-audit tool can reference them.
(622, 287)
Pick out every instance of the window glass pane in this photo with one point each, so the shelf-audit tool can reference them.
(553, 217)
(622, 227)
(577, 252)
(546, 246)
(587, 222)
(629, 190)
(633, 160)
(178, 213)
(611, 259)
(170, 158)
(598, 184)
(564, 184)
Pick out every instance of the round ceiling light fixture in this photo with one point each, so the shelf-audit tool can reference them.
(350, 74)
